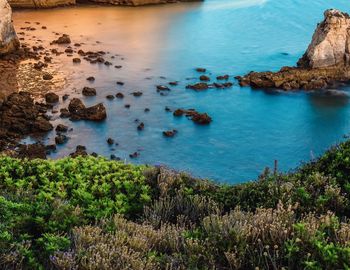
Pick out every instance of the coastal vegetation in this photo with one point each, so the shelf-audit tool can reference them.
(92, 213)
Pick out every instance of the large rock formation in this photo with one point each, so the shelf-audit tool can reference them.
(330, 43)
(8, 38)
(326, 61)
(40, 3)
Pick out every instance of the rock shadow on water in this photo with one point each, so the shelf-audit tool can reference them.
(329, 98)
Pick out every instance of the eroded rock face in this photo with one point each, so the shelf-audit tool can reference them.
(330, 43)
(8, 38)
(325, 63)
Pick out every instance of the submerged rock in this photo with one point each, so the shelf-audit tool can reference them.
(327, 59)
(8, 39)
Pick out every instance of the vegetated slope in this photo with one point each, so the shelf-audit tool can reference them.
(90, 213)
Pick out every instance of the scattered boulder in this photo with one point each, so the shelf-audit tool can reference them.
(196, 117)
(51, 98)
(61, 128)
(137, 94)
(201, 70)
(198, 86)
(64, 39)
(47, 76)
(170, 133)
(78, 111)
(204, 78)
(141, 126)
(89, 91)
(80, 150)
(162, 88)
(119, 95)
(61, 139)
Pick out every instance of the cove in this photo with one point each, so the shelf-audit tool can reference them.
(250, 128)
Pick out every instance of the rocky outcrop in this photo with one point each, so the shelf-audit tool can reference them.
(325, 62)
(330, 45)
(78, 111)
(40, 3)
(8, 38)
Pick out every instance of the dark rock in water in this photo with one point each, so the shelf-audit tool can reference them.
(169, 133)
(141, 126)
(107, 63)
(137, 94)
(198, 86)
(80, 150)
(118, 67)
(90, 79)
(76, 60)
(204, 78)
(120, 83)
(61, 139)
(94, 154)
(223, 77)
(32, 151)
(47, 77)
(51, 97)
(110, 141)
(65, 97)
(134, 155)
(114, 157)
(64, 113)
(50, 148)
(61, 128)
(119, 95)
(198, 118)
(78, 111)
(167, 109)
(173, 83)
(201, 70)
(69, 51)
(110, 97)
(147, 110)
(162, 88)
(179, 112)
(64, 39)
(127, 106)
(201, 118)
(39, 65)
(89, 91)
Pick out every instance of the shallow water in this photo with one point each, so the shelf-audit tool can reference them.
(250, 128)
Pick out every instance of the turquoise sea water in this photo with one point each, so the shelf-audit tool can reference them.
(250, 128)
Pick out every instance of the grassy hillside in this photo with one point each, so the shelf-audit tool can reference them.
(90, 213)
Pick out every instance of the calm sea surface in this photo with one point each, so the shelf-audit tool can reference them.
(250, 128)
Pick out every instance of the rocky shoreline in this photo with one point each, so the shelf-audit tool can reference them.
(325, 64)
(60, 3)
